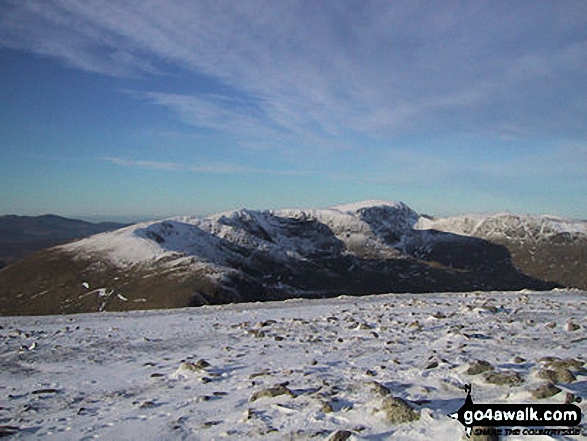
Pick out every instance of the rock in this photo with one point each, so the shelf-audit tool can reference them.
(558, 375)
(188, 366)
(148, 405)
(202, 364)
(398, 411)
(377, 388)
(415, 325)
(519, 360)
(44, 391)
(567, 363)
(571, 327)
(508, 378)
(327, 408)
(272, 392)
(432, 365)
(478, 367)
(547, 390)
(340, 435)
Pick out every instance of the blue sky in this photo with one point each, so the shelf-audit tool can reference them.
(154, 108)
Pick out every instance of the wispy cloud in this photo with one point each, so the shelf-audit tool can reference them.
(374, 68)
(221, 168)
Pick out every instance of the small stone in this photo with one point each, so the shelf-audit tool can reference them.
(519, 360)
(432, 365)
(398, 411)
(378, 388)
(202, 364)
(547, 390)
(478, 367)
(44, 391)
(551, 325)
(415, 325)
(189, 366)
(567, 363)
(327, 408)
(271, 392)
(148, 405)
(558, 375)
(157, 375)
(340, 435)
(370, 373)
(510, 378)
(571, 327)
(260, 373)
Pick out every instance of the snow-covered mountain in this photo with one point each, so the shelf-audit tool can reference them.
(245, 255)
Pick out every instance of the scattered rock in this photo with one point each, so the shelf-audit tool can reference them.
(271, 392)
(340, 435)
(148, 405)
(547, 359)
(202, 364)
(519, 360)
(567, 363)
(551, 325)
(261, 373)
(189, 367)
(415, 325)
(327, 407)
(509, 378)
(44, 391)
(571, 326)
(219, 393)
(398, 411)
(558, 375)
(547, 390)
(478, 367)
(378, 388)
(432, 365)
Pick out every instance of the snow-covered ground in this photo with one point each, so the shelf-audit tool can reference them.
(333, 365)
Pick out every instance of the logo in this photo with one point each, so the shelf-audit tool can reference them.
(532, 415)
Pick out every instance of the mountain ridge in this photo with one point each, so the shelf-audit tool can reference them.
(251, 255)
(23, 235)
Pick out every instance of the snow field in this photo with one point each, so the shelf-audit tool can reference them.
(298, 369)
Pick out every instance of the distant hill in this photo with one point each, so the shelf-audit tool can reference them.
(365, 248)
(21, 236)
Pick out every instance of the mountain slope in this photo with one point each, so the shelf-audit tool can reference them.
(244, 255)
(551, 248)
(21, 236)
